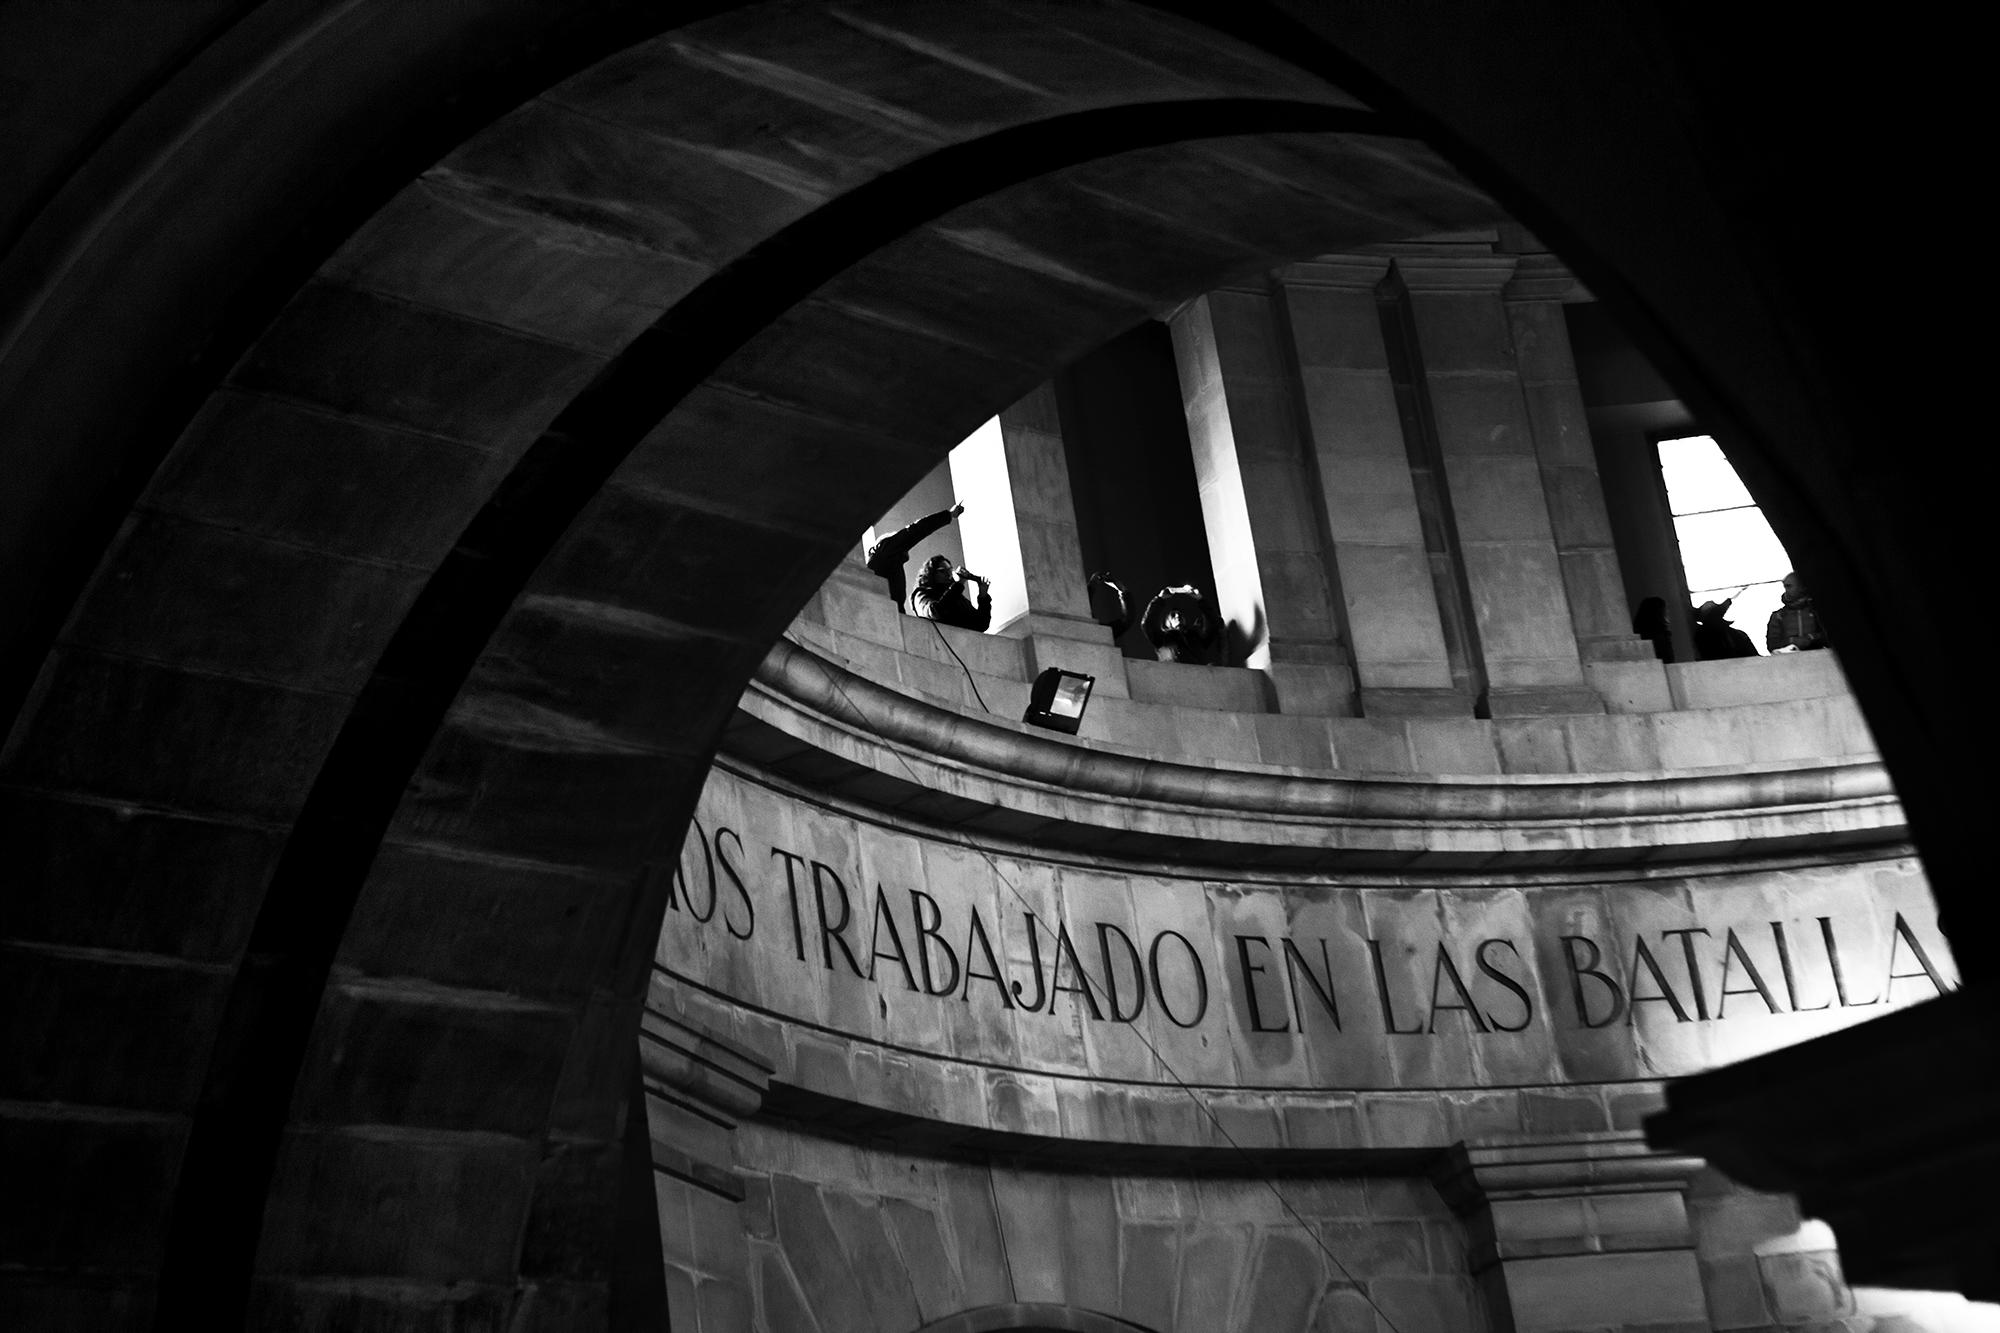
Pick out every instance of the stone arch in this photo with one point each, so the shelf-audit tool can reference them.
(1030, 1317)
(465, 1067)
(166, 867)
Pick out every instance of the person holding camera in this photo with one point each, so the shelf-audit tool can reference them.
(944, 594)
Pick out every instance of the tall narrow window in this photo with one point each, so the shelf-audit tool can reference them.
(1727, 548)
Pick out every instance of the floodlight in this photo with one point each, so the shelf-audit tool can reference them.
(1057, 700)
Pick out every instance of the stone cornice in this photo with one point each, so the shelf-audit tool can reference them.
(827, 727)
(1337, 273)
(1455, 274)
(1544, 278)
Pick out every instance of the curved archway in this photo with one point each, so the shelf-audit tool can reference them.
(1030, 1317)
(187, 894)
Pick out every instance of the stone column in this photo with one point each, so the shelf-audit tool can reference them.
(1570, 483)
(1515, 577)
(1259, 498)
(1058, 626)
(1579, 1236)
(1642, 522)
(1361, 472)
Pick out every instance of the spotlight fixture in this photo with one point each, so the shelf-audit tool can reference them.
(1057, 700)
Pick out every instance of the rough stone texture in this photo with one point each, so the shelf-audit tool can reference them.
(167, 209)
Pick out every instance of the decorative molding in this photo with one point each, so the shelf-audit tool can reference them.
(809, 720)
(1347, 273)
(1447, 275)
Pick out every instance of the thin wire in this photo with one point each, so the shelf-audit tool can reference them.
(961, 666)
(1146, 1041)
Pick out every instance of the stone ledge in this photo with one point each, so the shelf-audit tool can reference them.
(809, 721)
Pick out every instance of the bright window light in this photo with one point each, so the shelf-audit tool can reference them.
(1727, 548)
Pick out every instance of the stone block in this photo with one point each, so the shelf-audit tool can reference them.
(1322, 1122)
(1442, 1302)
(1648, 1220)
(874, 1262)
(1661, 1288)
(1630, 687)
(813, 1250)
(1709, 738)
(1334, 329)
(106, 1030)
(1101, 660)
(1499, 498)
(139, 880)
(1452, 745)
(1282, 512)
(1404, 1120)
(1612, 744)
(1532, 745)
(1310, 689)
(920, 1238)
(1550, 1111)
(384, 1053)
(1345, 1309)
(1371, 745)
(1752, 680)
(1370, 501)
(572, 1221)
(87, 1192)
(1149, 1254)
(1090, 1234)
(1803, 1286)
(1460, 331)
(370, 356)
(1285, 1279)
(1354, 421)
(1029, 1206)
(1209, 736)
(779, 1299)
(1224, 689)
(1561, 423)
(458, 1201)
(1294, 742)
(513, 924)
(439, 244)
(1212, 1266)
(81, 737)
(359, 487)
(1479, 415)
(1735, 1293)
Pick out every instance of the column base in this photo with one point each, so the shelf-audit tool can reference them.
(1414, 701)
(1543, 701)
(1616, 648)
(1579, 1236)
(1312, 689)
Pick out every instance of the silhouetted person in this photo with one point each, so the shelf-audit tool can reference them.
(1108, 605)
(1796, 624)
(1178, 626)
(1649, 622)
(944, 594)
(888, 556)
(1715, 637)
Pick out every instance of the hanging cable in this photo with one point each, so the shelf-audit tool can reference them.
(956, 658)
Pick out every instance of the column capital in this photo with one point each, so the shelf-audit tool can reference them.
(1543, 277)
(1337, 272)
(1455, 274)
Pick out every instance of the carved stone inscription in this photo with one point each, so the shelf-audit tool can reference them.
(949, 950)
